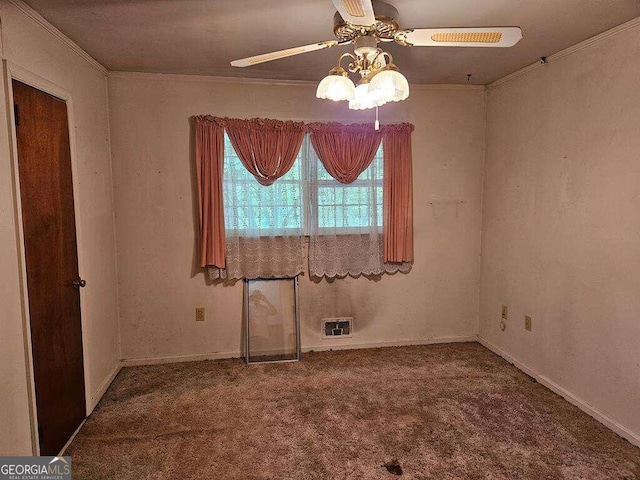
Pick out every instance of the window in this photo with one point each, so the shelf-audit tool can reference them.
(307, 193)
(253, 207)
(349, 207)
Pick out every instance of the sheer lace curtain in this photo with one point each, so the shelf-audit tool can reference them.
(345, 218)
(262, 200)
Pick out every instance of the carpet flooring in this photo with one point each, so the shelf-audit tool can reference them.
(437, 412)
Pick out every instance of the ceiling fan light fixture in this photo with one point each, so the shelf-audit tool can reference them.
(389, 85)
(357, 22)
(336, 86)
(363, 99)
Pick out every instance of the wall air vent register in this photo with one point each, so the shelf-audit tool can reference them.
(337, 327)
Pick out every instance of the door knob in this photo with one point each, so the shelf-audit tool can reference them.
(78, 283)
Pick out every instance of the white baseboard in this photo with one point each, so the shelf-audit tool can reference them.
(136, 362)
(131, 362)
(570, 397)
(397, 343)
(97, 396)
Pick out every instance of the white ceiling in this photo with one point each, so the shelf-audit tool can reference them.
(203, 36)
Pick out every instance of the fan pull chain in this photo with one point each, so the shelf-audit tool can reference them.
(377, 123)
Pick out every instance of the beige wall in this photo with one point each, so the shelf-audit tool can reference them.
(154, 192)
(40, 55)
(560, 228)
(561, 224)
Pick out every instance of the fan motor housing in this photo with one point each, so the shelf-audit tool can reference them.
(385, 27)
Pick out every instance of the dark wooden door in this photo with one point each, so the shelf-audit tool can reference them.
(46, 189)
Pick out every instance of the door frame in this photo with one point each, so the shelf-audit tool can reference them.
(15, 72)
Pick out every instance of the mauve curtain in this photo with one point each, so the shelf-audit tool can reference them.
(209, 152)
(266, 147)
(398, 194)
(344, 150)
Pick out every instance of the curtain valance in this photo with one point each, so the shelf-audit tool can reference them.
(266, 147)
(344, 150)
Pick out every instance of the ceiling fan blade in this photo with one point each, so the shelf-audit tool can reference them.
(460, 37)
(357, 12)
(289, 52)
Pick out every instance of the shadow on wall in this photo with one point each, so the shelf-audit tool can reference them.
(328, 298)
(195, 264)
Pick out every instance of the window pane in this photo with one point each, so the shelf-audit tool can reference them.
(356, 215)
(327, 217)
(350, 195)
(326, 195)
(322, 173)
(290, 217)
(339, 216)
(242, 216)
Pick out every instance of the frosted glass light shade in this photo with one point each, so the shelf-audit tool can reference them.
(364, 99)
(336, 88)
(389, 85)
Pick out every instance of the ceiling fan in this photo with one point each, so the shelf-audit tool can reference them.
(380, 81)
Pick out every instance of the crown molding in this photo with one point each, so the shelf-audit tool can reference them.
(445, 86)
(260, 81)
(206, 78)
(568, 51)
(44, 23)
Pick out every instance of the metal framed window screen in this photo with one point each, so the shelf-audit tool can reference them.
(269, 323)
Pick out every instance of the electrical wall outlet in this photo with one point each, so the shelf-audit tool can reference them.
(527, 322)
(505, 312)
(200, 314)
